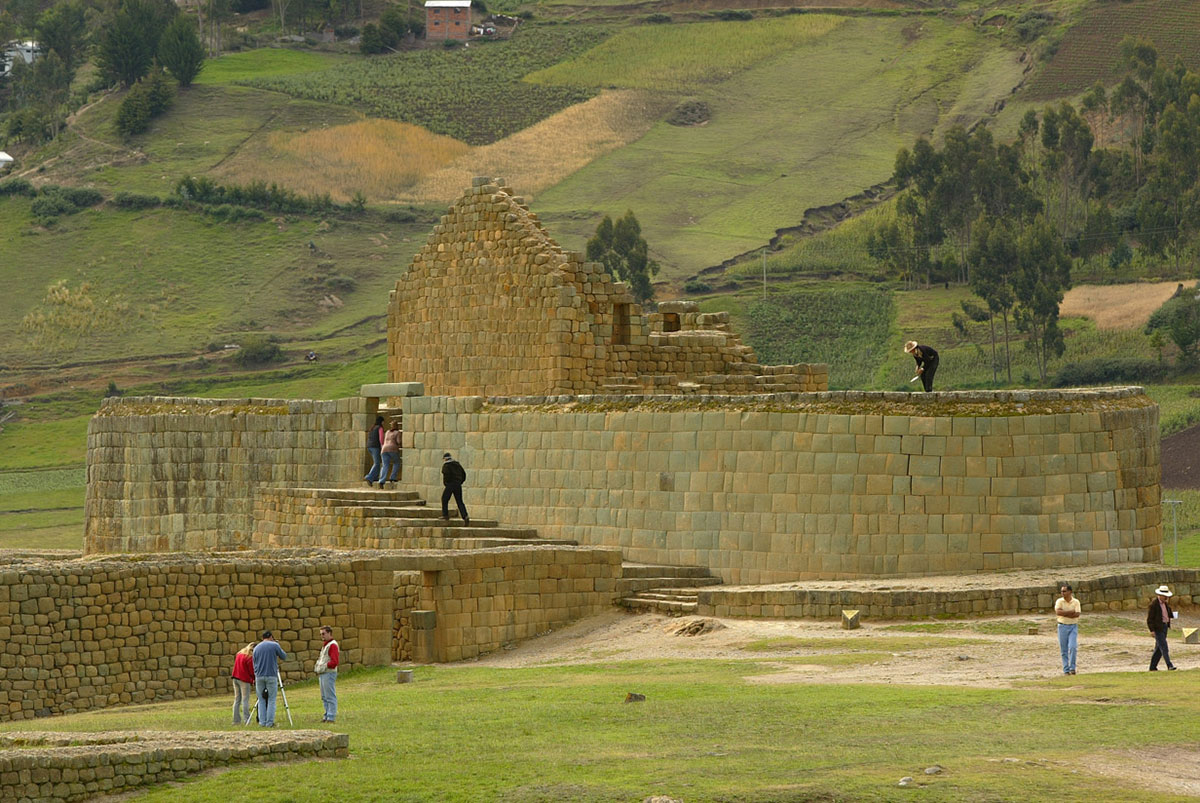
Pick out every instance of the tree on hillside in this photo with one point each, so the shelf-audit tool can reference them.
(63, 30)
(993, 258)
(180, 51)
(130, 42)
(1043, 275)
(622, 250)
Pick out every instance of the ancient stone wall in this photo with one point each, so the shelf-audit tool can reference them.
(89, 633)
(493, 305)
(168, 474)
(58, 768)
(795, 486)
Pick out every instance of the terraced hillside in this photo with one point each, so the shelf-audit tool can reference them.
(1090, 50)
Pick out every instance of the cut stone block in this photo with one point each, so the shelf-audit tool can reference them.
(850, 620)
(383, 390)
(1191, 635)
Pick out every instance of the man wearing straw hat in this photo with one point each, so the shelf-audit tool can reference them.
(927, 362)
(1158, 619)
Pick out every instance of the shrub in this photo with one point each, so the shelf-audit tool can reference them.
(733, 15)
(133, 200)
(657, 19)
(47, 208)
(244, 6)
(1032, 24)
(690, 112)
(258, 350)
(147, 99)
(112, 390)
(82, 197)
(17, 186)
(1105, 370)
(400, 216)
(345, 31)
(341, 284)
(697, 286)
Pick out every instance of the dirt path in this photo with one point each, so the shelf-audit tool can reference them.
(960, 655)
(1181, 459)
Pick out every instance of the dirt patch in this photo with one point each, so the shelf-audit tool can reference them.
(829, 654)
(1118, 306)
(1174, 770)
(1181, 459)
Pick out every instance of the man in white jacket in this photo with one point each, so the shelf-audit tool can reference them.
(326, 669)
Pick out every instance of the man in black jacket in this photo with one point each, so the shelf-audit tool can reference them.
(1158, 619)
(927, 362)
(453, 477)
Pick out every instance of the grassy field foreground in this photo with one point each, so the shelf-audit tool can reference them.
(706, 732)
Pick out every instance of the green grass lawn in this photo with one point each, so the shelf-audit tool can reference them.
(803, 128)
(41, 509)
(266, 62)
(704, 733)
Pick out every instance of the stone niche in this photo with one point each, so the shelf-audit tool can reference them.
(492, 305)
(821, 485)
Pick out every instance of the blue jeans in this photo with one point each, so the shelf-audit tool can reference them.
(1068, 642)
(373, 474)
(391, 467)
(327, 682)
(1160, 649)
(266, 689)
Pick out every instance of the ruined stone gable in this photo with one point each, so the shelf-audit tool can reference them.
(491, 305)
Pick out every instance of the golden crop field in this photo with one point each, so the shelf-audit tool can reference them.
(1117, 306)
(382, 159)
(545, 153)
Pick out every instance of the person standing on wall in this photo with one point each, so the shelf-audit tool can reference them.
(1158, 620)
(243, 683)
(1067, 609)
(391, 455)
(927, 362)
(374, 447)
(453, 477)
(267, 656)
(326, 669)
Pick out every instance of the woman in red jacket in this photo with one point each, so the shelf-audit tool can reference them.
(243, 683)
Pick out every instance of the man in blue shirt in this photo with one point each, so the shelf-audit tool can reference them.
(267, 656)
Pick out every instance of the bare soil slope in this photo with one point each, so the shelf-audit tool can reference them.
(1181, 459)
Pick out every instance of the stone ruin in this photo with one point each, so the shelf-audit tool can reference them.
(660, 469)
(491, 305)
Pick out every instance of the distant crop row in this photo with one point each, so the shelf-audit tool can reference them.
(680, 56)
(474, 94)
(1090, 50)
(825, 323)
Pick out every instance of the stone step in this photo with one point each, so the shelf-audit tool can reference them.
(377, 511)
(369, 494)
(438, 523)
(407, 499)
(470, 542)
(632, 585)
(656, 570)
(678, 595)
(662, 606)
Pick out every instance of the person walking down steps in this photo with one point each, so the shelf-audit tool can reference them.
(927, 362)
(453, 477)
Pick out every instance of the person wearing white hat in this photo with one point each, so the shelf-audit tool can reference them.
(1158, 619)
(927, 362)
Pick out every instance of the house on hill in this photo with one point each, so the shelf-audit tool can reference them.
(492, 306)
(447, 19)
(27, 52)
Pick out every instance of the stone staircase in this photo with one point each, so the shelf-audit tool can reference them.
(665, 589)
(370, 518)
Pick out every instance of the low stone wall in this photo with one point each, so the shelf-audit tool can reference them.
(1131, 589)
(55, 767)
(821, 485)
(88, 633)
(167, 474)
(485, 599)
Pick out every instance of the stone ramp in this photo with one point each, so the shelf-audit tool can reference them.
(373, 518)
(665, 589)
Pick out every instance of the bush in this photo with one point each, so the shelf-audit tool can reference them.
(244, 6)
(1106, 370)
(657, 19)
(733, 15)
(697, 286)
(341, 284)
(82, 197)
(1032, 24)
(133, 200)
(17, 186)
(690, 112)
(48, 208)
(345, 31)
(258, 350)
(400, 216)
(147, 99)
